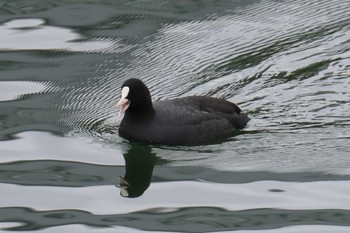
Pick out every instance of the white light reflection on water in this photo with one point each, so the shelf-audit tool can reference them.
(83, 228)
(34, 34)
(173, 195)
(46, 146)
(10, 90)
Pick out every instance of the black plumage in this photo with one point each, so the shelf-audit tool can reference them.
(192, 120)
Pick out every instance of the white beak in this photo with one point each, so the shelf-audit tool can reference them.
(123, 103)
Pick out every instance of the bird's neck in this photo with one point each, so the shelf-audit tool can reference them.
(141, 112)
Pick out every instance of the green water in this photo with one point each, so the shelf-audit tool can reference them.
(285, 63)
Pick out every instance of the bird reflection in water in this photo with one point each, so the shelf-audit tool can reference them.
(139, 164)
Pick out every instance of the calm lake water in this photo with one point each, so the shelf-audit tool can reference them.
(285, 63)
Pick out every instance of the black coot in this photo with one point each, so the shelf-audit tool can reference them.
(193, 120)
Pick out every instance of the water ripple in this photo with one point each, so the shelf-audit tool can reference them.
(191, 219)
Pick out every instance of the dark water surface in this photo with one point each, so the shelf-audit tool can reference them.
(286, 63)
